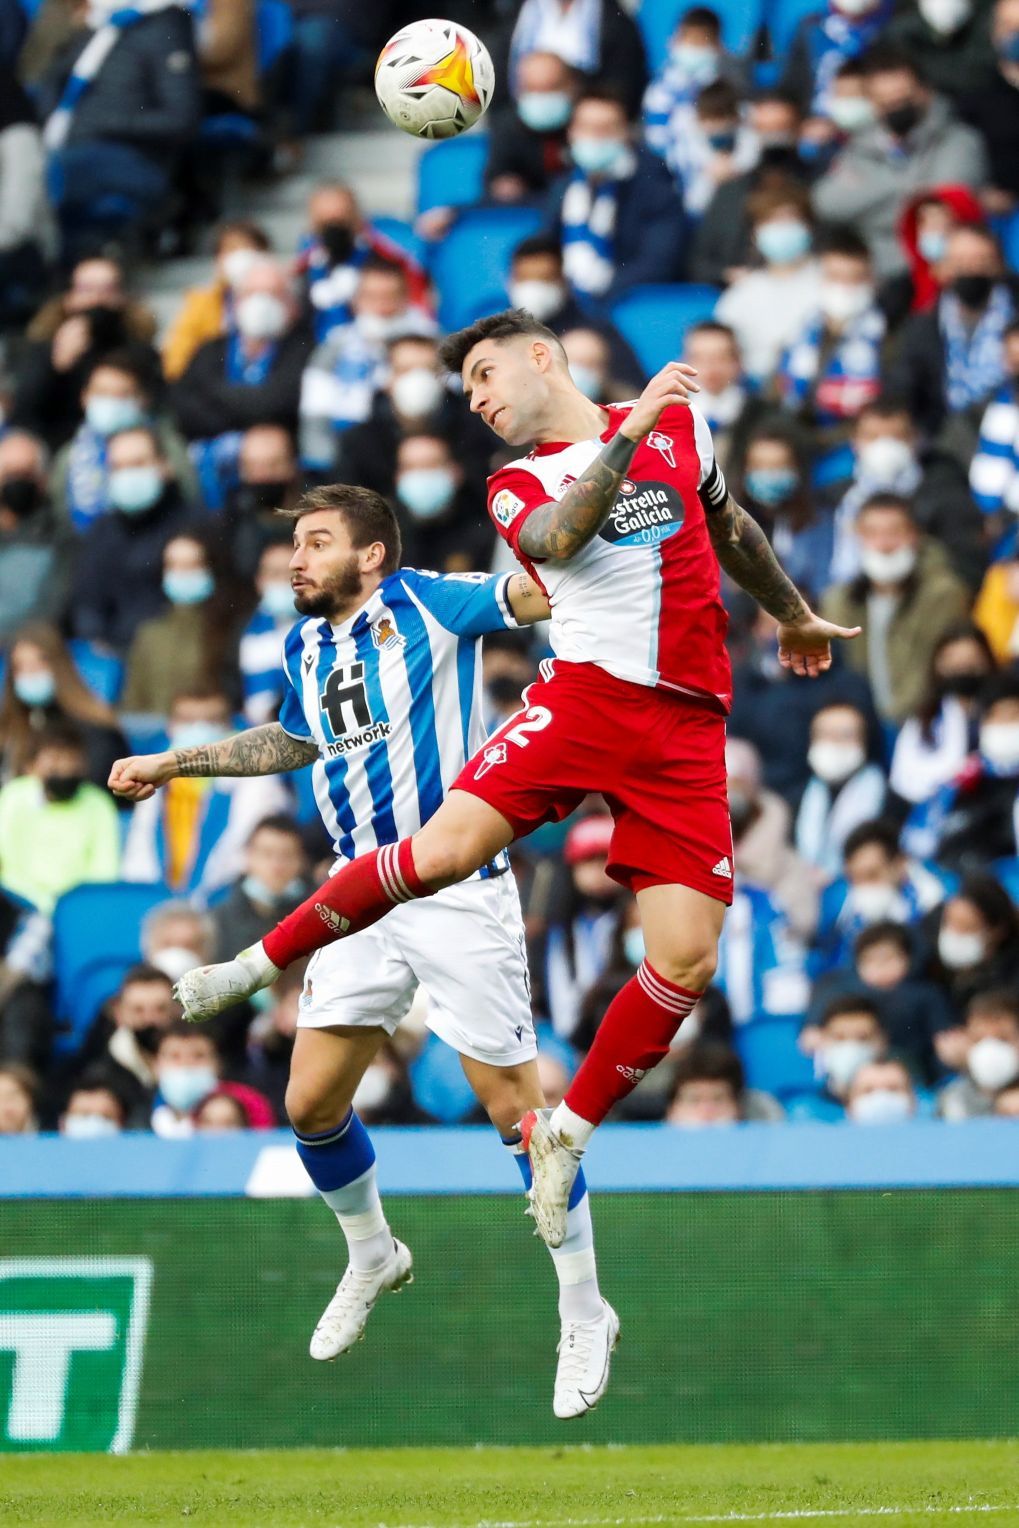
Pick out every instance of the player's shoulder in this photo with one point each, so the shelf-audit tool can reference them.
(295, 638)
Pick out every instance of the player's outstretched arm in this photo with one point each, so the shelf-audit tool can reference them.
(264, 750)
(528, 602)
(557, 531)
(743, 550)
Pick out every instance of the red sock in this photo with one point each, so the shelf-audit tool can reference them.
(354, 898)
(635, 1034)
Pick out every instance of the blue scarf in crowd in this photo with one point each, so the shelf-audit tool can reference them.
(109, 24)
(87, 478)
(852, 373)
(589, 230)
(974, 359)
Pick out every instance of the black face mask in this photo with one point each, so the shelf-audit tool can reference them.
(62, 787)
(338, 240)
(964, 685)
(257, 498)
(780, 156)
(21, 495)
(973, 291)
(148, 1037)
(901, 120)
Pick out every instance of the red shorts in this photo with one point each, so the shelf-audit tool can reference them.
(657, 758)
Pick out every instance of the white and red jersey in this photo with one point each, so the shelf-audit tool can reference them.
(641, 599)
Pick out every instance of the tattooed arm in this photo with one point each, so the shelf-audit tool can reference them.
(260, 751)
(528, 602)
(559, 530)
(743, 550)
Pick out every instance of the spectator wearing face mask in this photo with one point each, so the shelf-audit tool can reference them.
(442, 523)
(761, 832)
(934, 743)
(843, 790)
(117, 396)
(124, 1038)
(206, 313)
(882, 1093)
(589, 358)
(695, 60)
(527, 137)
(411, 399)
(992, 109)
(767, 308)
(617, 215)
(927, 220)
(95, 1108)
(951, 43)
(951, 360)
(917, 142)
(775, 486)
(723, 246)
(35, 550)
(187, 1069)
(975, 938)
(994, 470)
(191, 835)
(707, 144)
(19, 1094)
(724, 399)
(889, 457)
(253, 375)
(275, 879)
(598, 39)
(848, 1035)
(56, 828)
(176, 937)
(823, 42)
(339, 244)
(42, 688)
(262, 637)
(67, 337)
(906, 595)
(345, 371)
(991, 1060)
(193, 641)
(709, 1089)
(268, 478)
(879, 882)
(118, 568)
(848, 109)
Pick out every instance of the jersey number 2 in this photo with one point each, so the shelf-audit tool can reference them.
(536, 719)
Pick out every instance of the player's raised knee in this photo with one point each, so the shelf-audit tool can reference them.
(308, 1109)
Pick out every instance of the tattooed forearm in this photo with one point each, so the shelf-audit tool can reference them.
(744, 552)
(560, 530)
(261, 751)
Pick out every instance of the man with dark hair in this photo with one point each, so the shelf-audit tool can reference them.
(632, 706)
(384, 694)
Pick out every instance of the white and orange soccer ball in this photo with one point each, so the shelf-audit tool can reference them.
(434, 79)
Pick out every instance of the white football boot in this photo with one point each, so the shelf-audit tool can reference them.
(553, 1169)
(346, 1316)
(207, 990)
(585, 1357)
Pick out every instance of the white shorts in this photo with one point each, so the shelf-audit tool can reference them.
(465, 946)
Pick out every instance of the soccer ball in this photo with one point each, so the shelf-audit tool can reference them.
(434, 79)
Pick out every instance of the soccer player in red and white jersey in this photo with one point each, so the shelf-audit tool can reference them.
(623, 516)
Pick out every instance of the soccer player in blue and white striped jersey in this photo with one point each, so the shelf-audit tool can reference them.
(382, 690)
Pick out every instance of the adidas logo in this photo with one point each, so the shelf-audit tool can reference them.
(631, 1073)
(332, 919)
(723, 868)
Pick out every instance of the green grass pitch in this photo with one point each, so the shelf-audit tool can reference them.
(911, 1485)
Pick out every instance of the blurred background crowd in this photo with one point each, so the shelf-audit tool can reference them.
(208, 302)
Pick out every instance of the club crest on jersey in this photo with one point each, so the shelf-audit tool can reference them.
(663, 443)
(308, 995)
(494, 754)
(506, 506)
(385, 634)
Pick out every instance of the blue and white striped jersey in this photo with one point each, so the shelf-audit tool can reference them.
(393, 699)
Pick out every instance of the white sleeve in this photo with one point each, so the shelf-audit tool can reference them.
(711, 483)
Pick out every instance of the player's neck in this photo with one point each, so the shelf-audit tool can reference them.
(346, 609)
(572, 417)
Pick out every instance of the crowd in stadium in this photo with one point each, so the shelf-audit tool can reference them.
(847, 187)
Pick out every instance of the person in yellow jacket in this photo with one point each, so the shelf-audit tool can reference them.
(996, 611)
(205, 312)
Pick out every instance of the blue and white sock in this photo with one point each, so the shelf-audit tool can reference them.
(341, 1164)
(575, 1265)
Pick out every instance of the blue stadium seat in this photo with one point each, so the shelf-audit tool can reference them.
(402, 234)
(96, 938)
(473, 259)
(102, 672)
(655, 318)
(452, 173)
(772, 1057)
(813, 1107)
(274, 31)
(782, 17)
(657, 21)
(1008, 233)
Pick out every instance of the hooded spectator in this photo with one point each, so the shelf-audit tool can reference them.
(927, 220)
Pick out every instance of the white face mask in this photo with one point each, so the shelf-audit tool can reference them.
(88, 1127)
(374, 328)
(885, 460)
(175, 961)
(185, 1086)
(842, 1059)
(416, 393)
(945, 16)
(960, 952)
(993, 1063)
(874, 902)
(885, 1106)
(843, 301)
(851, 114)
(835, 762)
(855, 7)
(261, 316)
(725, 407)
(542, 298)
(887, 567)
(236, 265)
(999, 744)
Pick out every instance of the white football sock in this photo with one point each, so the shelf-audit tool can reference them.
(575, 1265)
(573, 1131)
(358, 1208)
